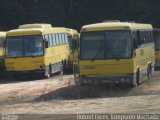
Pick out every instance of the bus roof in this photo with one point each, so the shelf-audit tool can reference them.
(2, 33)
(116, 26)
(27, 26)
(73, 32)
(37, 31)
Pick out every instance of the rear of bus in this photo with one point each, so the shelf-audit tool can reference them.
(24, 52)
(157, 47)
(107, 54)
(2, 39)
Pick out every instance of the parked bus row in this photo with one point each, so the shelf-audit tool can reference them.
(111, 51)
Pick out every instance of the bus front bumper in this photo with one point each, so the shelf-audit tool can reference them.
(129, 79)
(29, 73)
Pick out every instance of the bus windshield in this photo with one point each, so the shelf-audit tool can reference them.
(24, 46)
(106, 45)
(157, 40)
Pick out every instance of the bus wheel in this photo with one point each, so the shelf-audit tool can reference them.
(149, 72)
(138, 77)
(49, 72)
(65, 67)
(134, 82)
(61, 70)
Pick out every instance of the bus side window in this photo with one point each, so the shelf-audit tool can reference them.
(60, 39)
(147, 36)
(54, 40)
(152, 39)
(135, 40)
(57, 39)
(50, 40)
(149, 40)
(66, 39)
(150, 36)
(143, 41)
(46, 38)
(63, 38)
(62, 35)
(141, 38)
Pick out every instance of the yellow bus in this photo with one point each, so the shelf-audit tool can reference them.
(75, 55)
(36, 48)
(115, 52)
(2, 38)
(74, 35)
(157, 47)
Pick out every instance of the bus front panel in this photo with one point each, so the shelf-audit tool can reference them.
(106, 54)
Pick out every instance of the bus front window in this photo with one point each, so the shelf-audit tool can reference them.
(33, 45)
(24, 46)
(93, 45)
(14, 47)
(119, 44)
(106, 45)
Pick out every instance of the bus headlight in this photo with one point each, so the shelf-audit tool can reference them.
(9, 68)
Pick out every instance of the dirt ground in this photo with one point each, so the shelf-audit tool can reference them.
(59, 95)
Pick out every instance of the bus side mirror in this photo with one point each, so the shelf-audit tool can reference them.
(74, 44)
(46, 44)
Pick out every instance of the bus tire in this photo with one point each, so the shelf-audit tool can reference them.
(61, 69)
(64, 66)
(134, 81)
(49, 72)
(149, 72)
(138, 77)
